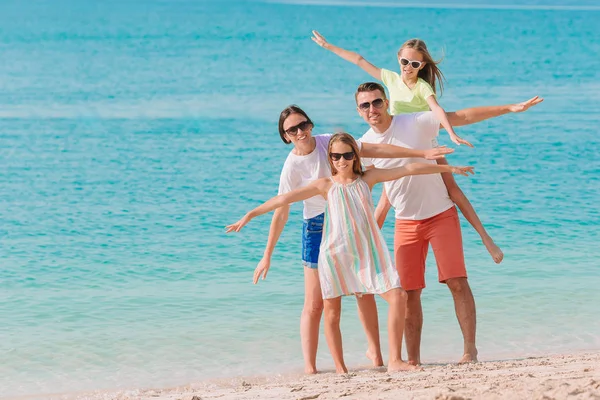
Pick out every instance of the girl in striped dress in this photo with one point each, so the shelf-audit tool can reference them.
(354, 258)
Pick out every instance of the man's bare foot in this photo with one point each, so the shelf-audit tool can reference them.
(414, 362)
(310, 370)
(400, 365)
(377, 359)
(468, 358)
(495, 252)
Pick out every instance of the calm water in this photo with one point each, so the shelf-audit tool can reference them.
(133, 131)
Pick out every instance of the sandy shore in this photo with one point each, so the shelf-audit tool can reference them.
(556, 377)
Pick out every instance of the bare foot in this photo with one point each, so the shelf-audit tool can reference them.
(414, 362)
(377, 359)
(468, 358)
(341, 370)
(310, 370)
(495, 252)
(400, 365)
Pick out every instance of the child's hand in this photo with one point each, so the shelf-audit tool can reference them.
(458, 140)
(437, 152)
(238, 225)
(524, 106)
(463, 170)
(319, 39)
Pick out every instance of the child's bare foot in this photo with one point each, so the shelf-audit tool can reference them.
(341, 370)
(376, 358)
(400, 365)
(495, 252)
(414, 362)
(468, 358)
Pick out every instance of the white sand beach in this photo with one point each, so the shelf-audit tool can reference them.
(556, 377)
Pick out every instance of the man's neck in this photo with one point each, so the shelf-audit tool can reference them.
(384, 125)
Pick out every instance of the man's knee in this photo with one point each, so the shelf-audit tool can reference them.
(458, 285)
(413, 298)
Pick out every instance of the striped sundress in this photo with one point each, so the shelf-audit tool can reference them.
(353, 256)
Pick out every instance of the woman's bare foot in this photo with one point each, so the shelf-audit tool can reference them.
(495, 252)
(310, 369)
(468, 358)
(377, 359)
(400, 365)
(341, 370)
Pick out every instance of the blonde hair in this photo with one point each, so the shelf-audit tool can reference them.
(430, 73)
(349, 140)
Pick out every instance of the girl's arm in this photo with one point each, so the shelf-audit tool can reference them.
(477, 114)
(347, 55)
(376, 175)
(371, 150)
(313, 189)
(440, 114)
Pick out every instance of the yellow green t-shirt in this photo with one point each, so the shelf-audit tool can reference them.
(404, 100)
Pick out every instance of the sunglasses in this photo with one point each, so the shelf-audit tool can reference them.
(337, 156)
(302, 126)
(377, 103)
(413, 63)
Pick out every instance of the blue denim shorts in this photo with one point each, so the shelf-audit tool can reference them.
(312, 232)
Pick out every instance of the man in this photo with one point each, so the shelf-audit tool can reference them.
(425, 212)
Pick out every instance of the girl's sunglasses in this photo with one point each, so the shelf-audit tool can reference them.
(347, 156)
(413, 63)
(377, 103)
(303, 126)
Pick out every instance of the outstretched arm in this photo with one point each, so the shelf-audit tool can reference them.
(478, 114)
(313, 189)
(440, 114)
(371, 150)
(376, 175)
(347, 55)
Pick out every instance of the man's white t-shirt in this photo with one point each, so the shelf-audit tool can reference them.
(414, 197)
(299, 171)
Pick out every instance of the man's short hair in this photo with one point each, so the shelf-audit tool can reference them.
(370, 87)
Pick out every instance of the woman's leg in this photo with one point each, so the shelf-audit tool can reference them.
(465, 207)
(310, 319)
(333, 312)
(396, 299)
(367, 312)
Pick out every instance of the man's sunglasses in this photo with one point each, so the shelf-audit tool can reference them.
(377, 103)
(347, 156)
(413, 63)
(303, 126)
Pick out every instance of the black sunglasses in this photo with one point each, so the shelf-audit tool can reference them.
(303, 126)
(347, 156)
(377, 103)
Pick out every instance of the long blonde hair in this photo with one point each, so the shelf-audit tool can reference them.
(349, 140)
(430, 72)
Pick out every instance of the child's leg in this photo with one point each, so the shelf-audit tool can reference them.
(367, 311)
(333, 312)
(310, 319)
(465, 207)
(396, 298)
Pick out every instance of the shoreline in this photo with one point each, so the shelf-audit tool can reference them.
(573, 376)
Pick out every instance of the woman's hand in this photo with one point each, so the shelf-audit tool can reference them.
(261, 269)
(462, 170)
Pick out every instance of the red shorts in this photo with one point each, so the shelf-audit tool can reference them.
(411, 243)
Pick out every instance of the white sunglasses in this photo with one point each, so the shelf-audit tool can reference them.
(413, 63)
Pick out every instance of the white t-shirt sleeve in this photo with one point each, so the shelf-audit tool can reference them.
(287, 180)
(365, 161)
(427, 124)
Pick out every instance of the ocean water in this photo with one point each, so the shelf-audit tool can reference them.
(132, 132)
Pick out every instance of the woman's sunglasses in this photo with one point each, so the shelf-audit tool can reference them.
(413, 63)
(303, 126)
(377, 103)
(337, 156)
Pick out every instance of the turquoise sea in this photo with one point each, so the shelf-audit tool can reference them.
(133, 131)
